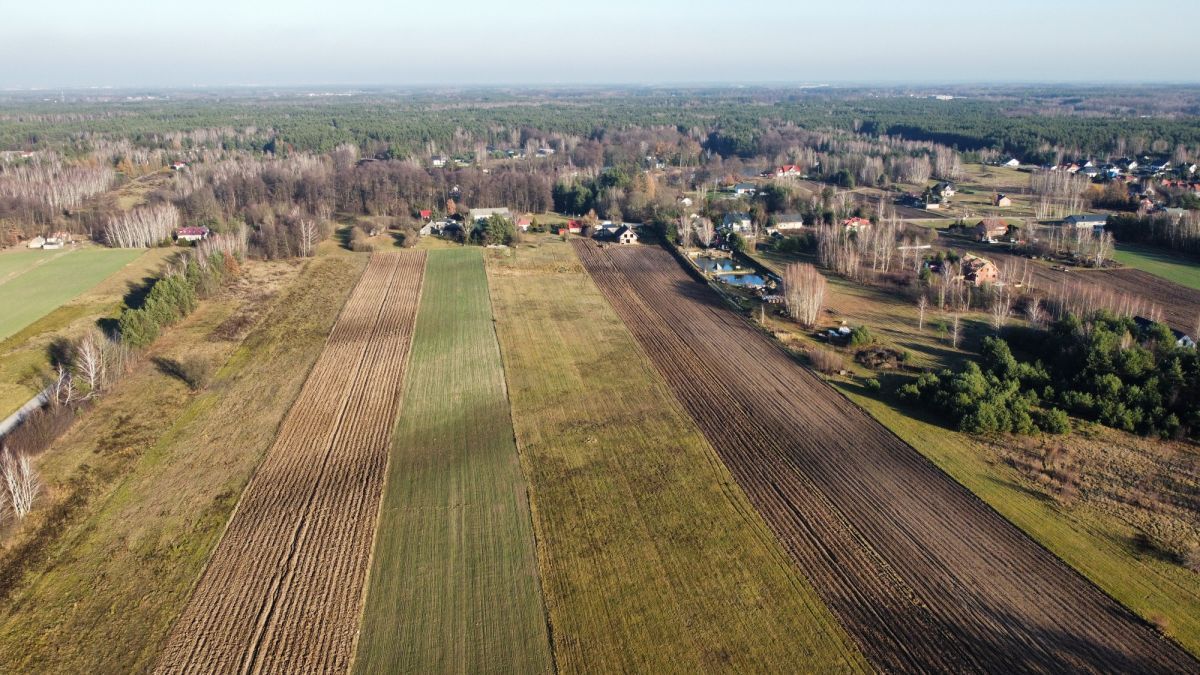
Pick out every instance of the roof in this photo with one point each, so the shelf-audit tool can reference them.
(192, 231)
(745, 186)
(1087, 218)
(855, 222)
(788, 168)
(623, 229)
(736, 217)
(789, 218)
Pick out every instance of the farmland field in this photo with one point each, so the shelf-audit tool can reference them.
(453, 584)
(138, 492)
(33, 284)
(283, 589)
(651, 557)
(921, 572)
(1162, 263)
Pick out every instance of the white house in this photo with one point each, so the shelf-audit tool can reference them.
(1011, 163)
(625, 235)
(438, 161)
(786, 222)
(1083, 220)
(745, 189)
(477, 215)
(37, 242)
(191, 233)
(737, 222)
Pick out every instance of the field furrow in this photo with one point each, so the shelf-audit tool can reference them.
(923, 574)
(283, 590)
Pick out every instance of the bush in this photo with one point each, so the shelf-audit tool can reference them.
(826, 361)
(193, 371)
(860, 335)
(872, 384)
(1052, 421)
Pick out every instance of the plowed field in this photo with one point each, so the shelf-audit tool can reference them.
(923, 574)
(283, 590)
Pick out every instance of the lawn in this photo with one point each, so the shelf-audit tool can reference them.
(651, 557)
(1160, 262)
(140, 489)
(24, 362)
(454, 585)
(31, 290)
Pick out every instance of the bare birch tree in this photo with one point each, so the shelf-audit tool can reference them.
(922, 304)
(142, 227)
(91, 363)
(955, 335)
(1001, 308)
(706, 232)
(803, 292)
(20, 481)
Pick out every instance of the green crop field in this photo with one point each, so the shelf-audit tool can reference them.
(453, 585)
(1159, 262)
(34, 283)
(652, 558)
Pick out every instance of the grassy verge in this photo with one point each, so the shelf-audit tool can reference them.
(1100, 547)
(651, 557)
(140, 489)
(453, 585)
(1182, 270)
(38, 290)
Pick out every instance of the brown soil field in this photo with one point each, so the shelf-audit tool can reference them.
(283, 590)
(1178, 305)
(923, 574)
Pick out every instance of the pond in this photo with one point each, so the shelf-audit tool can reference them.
(717, 265)
(752, 280)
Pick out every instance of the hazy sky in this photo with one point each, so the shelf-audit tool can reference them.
(69, 43)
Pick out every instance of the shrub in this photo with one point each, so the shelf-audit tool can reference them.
(825, 360)
(872, 384)
(860, 335)
(1052, 421)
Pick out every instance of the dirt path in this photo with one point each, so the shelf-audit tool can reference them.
(924, 575)
(283, 590)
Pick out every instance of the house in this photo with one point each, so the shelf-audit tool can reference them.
(476, 215)
(991, 230)
(625, 235)
(52, 243)
(745, 189)
(545, 151)
(429, 228)
(737, 222)
(191, 233)
(1011, 163)
(787, 222)
(1181, 339)
(524, 223)
(788, 171)
(1084, 220)
(37, 242)
(944, 190)
(438, 161)
(979, 271)
(179, 166)
(1001, 200)
(855, 224)
(574, 226)
(426, 215)
(1090, 172)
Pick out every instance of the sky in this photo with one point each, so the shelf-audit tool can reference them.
(139, 43)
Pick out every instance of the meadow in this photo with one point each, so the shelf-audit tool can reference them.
(33, 284)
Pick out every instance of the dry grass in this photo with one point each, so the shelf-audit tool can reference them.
(651, 557)
(140, 488)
